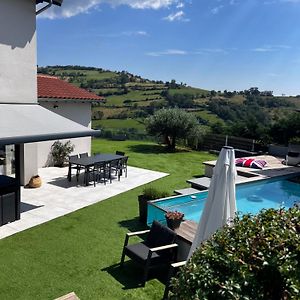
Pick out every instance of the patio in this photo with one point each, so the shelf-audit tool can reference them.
(58, 197)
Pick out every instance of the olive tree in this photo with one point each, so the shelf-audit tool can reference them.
(171, 124)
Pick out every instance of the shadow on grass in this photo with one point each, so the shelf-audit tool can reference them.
(153, 149)
(133, 224)
(131, 274)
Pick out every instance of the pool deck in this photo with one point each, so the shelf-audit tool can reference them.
(274, 168)
(187, 230)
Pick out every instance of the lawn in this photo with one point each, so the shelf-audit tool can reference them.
(80, 252)
(115, 124)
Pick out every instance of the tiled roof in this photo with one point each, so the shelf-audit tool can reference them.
(55, 88)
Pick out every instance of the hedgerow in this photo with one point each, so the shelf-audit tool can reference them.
(257, 258)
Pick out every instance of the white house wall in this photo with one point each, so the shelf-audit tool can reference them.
(77, 112)
(18, 51)
(18, 84)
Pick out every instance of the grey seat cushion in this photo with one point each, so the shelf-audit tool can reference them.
(140, 252)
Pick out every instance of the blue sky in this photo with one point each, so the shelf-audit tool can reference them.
(212, 44)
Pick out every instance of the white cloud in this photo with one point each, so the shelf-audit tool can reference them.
(206, 51)
(216, 9)
(124, 33)
(261, 49)
(72, 8)
(178, 16)
(212, 51)
(180, 5)
(271, 48)
(168, 52)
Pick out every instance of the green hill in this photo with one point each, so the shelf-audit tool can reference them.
(131, 98)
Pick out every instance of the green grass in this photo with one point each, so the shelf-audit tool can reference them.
(132, 95)
(208, 116)
(188, 90)
(80, 252)
(120, 124)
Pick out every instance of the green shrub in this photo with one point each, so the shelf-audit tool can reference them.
(60, 151)
(295, 140)
(152, 193)
(258, 258)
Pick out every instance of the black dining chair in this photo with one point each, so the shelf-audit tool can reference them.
(101, 171)
(123, 165)
(115, 167)
(159, 248)
(120, 153)
(85, 154)
(74, 167)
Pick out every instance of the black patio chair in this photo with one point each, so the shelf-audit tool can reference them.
(82, 168)
(85, 154)
(115, 167)
(123, 165)
(100, 170)
(120, 153)
(159, 248)
(74, 167)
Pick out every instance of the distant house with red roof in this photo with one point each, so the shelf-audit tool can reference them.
(69, 101)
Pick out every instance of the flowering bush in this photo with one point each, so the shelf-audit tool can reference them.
(258, 258)
(174, 215)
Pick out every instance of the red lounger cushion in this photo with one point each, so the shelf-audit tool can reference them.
(250, 163)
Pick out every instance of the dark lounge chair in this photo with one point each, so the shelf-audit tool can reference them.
(159, 248)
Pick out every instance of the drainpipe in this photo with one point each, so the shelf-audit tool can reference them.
(45, 7)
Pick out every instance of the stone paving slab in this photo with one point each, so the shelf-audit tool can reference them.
(58, 197)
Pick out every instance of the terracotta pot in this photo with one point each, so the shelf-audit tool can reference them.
(35, 182)
(174, 224)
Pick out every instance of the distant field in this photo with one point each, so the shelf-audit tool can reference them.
(110, 112)
(132, 95)
(208, 116)
(89, 74)
(188, 90)
(115, 124)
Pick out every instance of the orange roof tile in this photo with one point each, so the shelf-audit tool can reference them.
(53, 87)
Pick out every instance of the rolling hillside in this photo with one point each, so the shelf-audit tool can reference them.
(131, 98)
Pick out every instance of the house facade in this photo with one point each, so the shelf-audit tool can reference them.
(23, 122)
(70, 102)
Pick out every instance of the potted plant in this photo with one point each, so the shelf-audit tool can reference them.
(60, 151)
(35, 182)
(174, 219)
(149, 193)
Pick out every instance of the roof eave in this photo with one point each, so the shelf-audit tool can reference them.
(55, 2)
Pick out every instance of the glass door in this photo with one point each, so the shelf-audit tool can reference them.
(7, 160)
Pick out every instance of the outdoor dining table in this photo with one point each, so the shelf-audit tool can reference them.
(90, 161)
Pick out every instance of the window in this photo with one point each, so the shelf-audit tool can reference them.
(7, 160)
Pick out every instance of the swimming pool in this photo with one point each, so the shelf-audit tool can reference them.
(251, 198)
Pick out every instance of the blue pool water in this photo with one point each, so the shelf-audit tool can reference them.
(251, 198)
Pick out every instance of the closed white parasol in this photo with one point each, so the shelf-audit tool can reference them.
(220, 206)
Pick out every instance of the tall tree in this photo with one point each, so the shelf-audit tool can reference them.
(171, 124)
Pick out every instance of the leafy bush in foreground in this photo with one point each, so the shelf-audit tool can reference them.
(258, 258)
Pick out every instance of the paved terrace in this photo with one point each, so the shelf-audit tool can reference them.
(58, 197)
